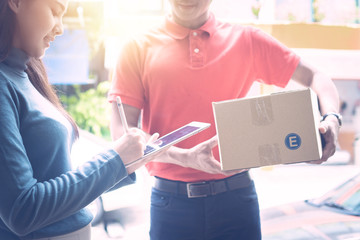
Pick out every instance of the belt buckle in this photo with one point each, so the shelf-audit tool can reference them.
(189, 192)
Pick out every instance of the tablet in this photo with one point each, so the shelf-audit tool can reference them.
(172, 138)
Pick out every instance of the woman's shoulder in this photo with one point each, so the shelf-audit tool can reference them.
(4, 80)
(7, 87)
(5, 83)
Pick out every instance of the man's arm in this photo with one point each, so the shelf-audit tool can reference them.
(132, 117)
(199, 157)
(328, 96)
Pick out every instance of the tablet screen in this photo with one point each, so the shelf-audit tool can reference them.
(167, 139)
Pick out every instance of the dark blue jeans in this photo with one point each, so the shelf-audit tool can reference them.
(233, 215)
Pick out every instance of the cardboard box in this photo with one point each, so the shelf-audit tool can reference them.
(267, 130)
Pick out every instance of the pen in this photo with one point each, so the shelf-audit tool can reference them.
(122, 114)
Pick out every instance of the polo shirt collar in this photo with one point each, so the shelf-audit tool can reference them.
(177, 31)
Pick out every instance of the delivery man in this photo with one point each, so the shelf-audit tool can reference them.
(172, 75)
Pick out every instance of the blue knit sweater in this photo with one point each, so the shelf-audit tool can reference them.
(39, 194)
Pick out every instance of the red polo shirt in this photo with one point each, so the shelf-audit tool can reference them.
(174, 74)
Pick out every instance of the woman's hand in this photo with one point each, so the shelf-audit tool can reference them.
(131, 146)
(135, 166)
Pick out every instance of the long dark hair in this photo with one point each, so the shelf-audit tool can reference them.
(35, 67)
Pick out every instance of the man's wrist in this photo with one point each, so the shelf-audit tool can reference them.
(174, 155)
(334, 117)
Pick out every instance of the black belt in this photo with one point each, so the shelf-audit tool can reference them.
(203, 189)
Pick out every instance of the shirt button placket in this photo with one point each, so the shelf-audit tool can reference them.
(196, 55)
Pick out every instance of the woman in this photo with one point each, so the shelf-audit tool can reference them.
(40, 198)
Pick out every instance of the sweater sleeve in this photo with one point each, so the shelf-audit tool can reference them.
(26, 204)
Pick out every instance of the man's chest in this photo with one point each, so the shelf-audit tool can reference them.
(184, 68)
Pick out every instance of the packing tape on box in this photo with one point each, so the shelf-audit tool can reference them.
(268, 154)
(261, 111)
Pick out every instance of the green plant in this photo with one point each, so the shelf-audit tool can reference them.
(255, 9)
(90, 109)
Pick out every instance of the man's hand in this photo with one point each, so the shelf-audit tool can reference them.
(201, 158)
(329, 130)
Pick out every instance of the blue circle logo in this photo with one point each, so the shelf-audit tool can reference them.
(293, 141)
